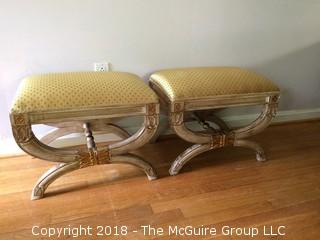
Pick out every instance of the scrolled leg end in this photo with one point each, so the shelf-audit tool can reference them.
(173, 172)
(151, 174)
(260, 156)
(37, 193)
(175, 167)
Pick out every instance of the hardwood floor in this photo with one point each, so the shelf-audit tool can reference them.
(220, 188)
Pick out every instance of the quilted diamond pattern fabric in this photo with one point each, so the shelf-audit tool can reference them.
(80, 90)
(206, 82)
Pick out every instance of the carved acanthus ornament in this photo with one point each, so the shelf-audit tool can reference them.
(152, 117)
(92, 158)
(177, 116)
(21, 128)
(221, 140)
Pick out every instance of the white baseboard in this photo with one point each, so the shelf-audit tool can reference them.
(10, 148)
(297, 115)
(281, 117)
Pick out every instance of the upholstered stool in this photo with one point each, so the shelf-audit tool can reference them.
(71, 101)
(197, 90)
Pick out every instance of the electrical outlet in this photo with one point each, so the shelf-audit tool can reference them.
(101, 67)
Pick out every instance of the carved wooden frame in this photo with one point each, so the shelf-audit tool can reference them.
(224, 136)
(70, 160)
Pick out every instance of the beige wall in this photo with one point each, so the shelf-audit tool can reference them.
(278, 38)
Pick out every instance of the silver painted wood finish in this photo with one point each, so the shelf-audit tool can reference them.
(90, 120)
(224, 136)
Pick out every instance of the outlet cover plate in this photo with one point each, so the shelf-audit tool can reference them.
(101, 67)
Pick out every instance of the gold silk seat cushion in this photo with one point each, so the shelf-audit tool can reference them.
(210, 82)
(80, 90)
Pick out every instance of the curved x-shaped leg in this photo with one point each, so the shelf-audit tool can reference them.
(63, 168)
(226, 137)
(260, 155)
(186, 156)
(70, 160)
(50, 176)
(138, 162)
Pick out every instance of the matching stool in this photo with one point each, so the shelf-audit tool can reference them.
(71, 101)
(86, 101)
(200, 91)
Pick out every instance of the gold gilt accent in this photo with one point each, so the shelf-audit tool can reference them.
(92, 158)
(21, 128)
(221, 140)
(20, 119)
(152, 121)
(176, 117)
(178, 107)
(275, 98)
(273, 106)
(151, 109)
(22, 134)
(152, 116)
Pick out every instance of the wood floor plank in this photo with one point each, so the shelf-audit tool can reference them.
(218, 188)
